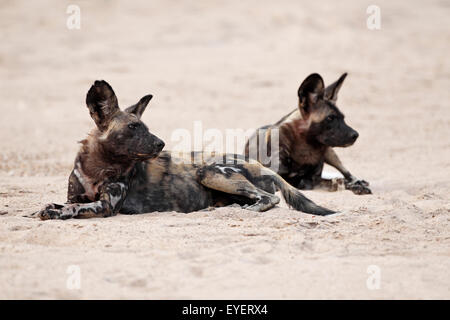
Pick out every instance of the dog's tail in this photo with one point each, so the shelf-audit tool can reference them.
(295, 198)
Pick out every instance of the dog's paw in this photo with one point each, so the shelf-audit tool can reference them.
(49, 214)
(50, 211)
(358, 187)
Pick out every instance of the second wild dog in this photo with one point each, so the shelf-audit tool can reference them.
(307, 136)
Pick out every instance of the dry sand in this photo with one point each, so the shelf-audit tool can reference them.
(231, 64)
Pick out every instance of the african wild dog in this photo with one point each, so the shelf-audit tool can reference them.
(120, 167)
(307, 136)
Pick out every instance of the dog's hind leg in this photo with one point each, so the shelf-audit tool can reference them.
(230, 180)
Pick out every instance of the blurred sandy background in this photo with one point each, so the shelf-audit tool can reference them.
(231, 64)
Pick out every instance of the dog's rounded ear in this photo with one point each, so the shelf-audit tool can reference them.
(102, 103)
(309, 92)
(331, 92)
(139, 108)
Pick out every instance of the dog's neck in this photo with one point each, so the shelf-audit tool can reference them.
(298, 127)
(99, 165)
(295, 138)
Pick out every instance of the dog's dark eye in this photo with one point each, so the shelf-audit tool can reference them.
(331, 118)
(133, 126)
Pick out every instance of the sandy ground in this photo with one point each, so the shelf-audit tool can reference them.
(230, 64)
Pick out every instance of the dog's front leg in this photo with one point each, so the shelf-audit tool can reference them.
(111, 199)
(351, 182)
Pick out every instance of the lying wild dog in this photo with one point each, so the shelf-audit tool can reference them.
(307, 136)
(120, 167)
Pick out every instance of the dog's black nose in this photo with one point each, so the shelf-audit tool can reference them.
(160, 144)
(354, 135)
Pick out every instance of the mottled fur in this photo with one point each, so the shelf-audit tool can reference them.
(121, 168)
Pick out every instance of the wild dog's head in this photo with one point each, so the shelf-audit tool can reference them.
(122, 135)
(318, 105)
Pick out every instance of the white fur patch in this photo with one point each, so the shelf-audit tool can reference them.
(115, 199)
(87, 184)
(331, 175)
(224, 168)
